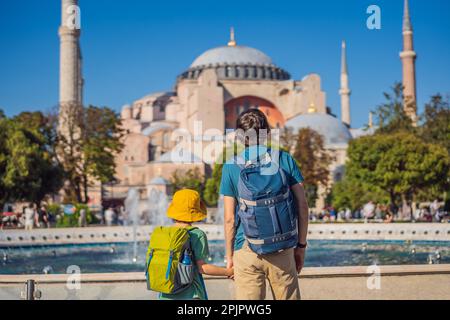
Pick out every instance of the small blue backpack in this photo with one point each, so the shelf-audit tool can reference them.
(266, 207)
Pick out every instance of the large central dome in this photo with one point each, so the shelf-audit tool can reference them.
(235, 62)
(229, 55)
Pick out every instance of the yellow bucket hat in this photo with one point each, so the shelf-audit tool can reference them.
(187, 206)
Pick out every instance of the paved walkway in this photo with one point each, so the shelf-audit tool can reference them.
(396, 282)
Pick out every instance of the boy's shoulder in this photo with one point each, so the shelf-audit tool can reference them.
(198, 238)
(197, 232)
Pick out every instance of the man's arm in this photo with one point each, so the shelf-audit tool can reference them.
(230, 230)
(303, 218)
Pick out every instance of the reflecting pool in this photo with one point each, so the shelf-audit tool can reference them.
(118, 257)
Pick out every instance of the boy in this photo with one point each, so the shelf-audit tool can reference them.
(185, 209)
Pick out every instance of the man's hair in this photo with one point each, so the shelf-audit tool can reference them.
(251, 122)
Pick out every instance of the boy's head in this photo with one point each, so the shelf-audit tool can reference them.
(186, 206)
(252, 127)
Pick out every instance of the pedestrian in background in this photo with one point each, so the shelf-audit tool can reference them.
(30, 217)
(82, 222)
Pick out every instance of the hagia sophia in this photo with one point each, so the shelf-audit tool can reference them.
(214, 89)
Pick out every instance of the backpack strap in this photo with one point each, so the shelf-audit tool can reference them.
(273, 239)
(261, 160)
(150, 256)
(240, 162)
(189, 229)
(265, 202)
(169, 265)
(283, 176)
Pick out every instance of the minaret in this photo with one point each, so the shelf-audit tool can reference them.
(345, 90)
(408, 57)
(70, 78)
(370, 120)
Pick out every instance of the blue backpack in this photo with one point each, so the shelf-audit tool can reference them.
(266, 207)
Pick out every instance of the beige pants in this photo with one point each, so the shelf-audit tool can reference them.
(252, 270)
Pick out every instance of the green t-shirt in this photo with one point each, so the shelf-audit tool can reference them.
(199, 245)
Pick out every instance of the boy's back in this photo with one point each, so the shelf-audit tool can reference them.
(199, 246)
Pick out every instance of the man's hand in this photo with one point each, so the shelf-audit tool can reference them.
(299, 255)
(229, 262)
(230, 265)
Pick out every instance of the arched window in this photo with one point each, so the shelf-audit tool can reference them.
(235, 107)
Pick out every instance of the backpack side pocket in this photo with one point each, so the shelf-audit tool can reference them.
(186, 273)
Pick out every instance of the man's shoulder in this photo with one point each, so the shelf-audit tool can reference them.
(285, 155)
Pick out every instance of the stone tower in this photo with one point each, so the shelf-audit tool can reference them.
(345, 90)
(70, 78)
(408, 57)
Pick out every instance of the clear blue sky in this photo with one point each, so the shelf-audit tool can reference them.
(135, 47)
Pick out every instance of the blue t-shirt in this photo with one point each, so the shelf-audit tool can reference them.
(230, 179)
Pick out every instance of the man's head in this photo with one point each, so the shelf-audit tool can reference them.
(252, 127)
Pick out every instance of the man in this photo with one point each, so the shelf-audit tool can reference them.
(369, 210)
(110, 216)
(252, 269)
(43, 217)
(82, 220)
(30, 217)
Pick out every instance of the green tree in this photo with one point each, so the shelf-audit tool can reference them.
(436, 121)
(3, 159)
(28, 171)
(212, 186)
(314, 161)
(399, 164)
(391, 115)
(190, 179)
(88, 141)
(71, 221)
(353, 194)
(288, 139)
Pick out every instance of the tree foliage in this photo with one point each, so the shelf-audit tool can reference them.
(391, 115)
(212, 186)
(436, 121)
(28, 171)
(88, 141)
(401, 161)
(397, 166)
(313, 159)
(190, 179)
(71, 221)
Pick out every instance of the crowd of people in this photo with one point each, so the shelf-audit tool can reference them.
(30, 217)
(434, 212)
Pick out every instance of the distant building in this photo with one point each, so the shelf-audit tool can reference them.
(219, 85)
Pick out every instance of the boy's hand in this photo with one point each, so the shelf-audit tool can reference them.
(299, 255)
(230, 273)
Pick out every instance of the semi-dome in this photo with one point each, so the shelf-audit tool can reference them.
(228, 55)
(335, 133)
